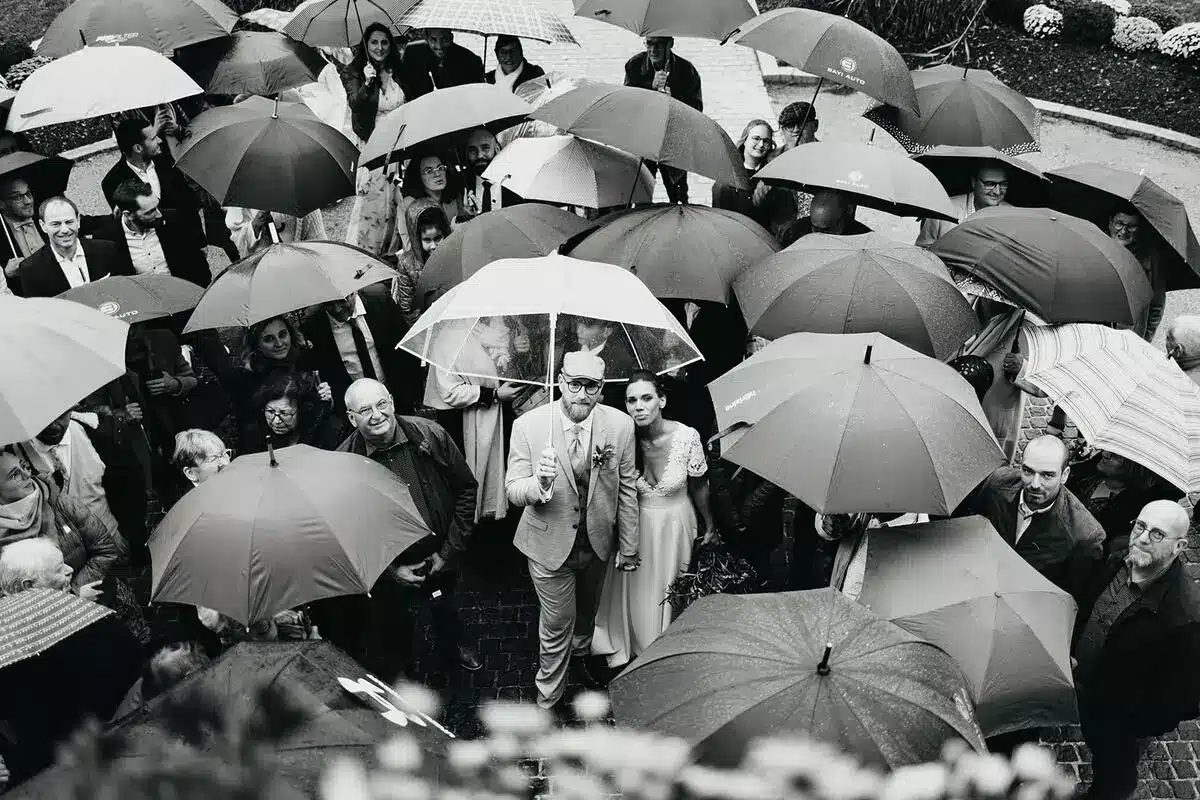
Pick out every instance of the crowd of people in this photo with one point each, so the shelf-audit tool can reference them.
(607, 514)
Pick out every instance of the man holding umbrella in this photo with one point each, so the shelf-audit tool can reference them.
(660, 70)
(989, 186)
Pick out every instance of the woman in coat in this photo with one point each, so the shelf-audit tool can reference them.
(769, 206)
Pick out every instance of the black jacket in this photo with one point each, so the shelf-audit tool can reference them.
(791, 232)
(528, 73)
(41, 276)
(183, 251)
(683, 80)
(459, 67)
(363, 95)
(1120, 511)
(1148, 678)
(176, 196)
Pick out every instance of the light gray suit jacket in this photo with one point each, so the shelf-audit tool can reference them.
(546, 532)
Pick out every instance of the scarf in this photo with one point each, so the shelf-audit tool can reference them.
(24, 514)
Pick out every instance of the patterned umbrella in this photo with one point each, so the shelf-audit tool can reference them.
(523, 18)
(703, 19)
(160, 25)
(964, 108)
(37, 619)
(1124, 395)
(568, 171)
(537, 92)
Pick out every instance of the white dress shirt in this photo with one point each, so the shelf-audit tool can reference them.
(148, 175)
(344, 339)
(145, 251)
(585, 440)
(74, 268)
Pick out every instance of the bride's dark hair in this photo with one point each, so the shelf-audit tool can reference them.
(638, 376)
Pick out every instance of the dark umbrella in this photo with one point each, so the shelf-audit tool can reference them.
(650, 125)
(955, 166)
(875, 177)
(277, 530)
(47, 176)
(1062, 268)
(680, 251)
(856, 422)
(704, 19)
(834, 49)
(1091, 191)
(159, 25)
(965, 108)
(857, 284)
(284, 278)
(527, 230)
(444, 112)
(269, 156)
(956, 584)
(736, 667)
(252, 62)
(137, 298)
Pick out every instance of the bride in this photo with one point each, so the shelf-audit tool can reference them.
(672, 489)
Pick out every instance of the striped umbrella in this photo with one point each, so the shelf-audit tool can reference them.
(1123, 394)
(35, 620)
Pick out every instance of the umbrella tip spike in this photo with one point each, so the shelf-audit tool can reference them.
(867, 356)
(823, 667)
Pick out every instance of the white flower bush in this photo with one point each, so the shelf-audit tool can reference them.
(1122, 7)
(1042, 21)
(1135, 34)
(1182, 42)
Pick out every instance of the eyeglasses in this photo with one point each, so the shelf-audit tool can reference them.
(224, 455)
(384, 406)
(1125, 227)
(1156, 535)
(434, 170)
(19, 196)
(582, 385)
(991, 186)
(279, 413)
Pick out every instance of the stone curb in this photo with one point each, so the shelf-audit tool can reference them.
(91, 149)
(775, 74)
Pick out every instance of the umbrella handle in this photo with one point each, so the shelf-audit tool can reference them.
(637, 173)
(812, 107)
(549, 382)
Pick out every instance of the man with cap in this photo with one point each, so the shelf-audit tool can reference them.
(580, 506)
(659, 69)
(798, 123)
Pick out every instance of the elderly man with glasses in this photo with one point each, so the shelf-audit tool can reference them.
(1136, 649)
(989, 188)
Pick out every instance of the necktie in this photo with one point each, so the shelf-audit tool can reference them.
(575, 452)
(360, 344)
(486, 205)
(60, 467)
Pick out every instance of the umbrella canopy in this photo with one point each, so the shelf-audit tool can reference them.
(956, 584)
(252, 62)
(37, 619)
(46, 176)
(1061, 268)
(963, 108)
(537, 92)
(1124, 395)
(834, 49)
(280, 529)
(1091, 191)
(137, 298)
(649, 125)
(283, 278)
(443, 112)
(270, 156)
(544, 298)
(340, 23)
(526, 230)
(954, 167)
(523, 18)
(571, 172)
(708, 19)
(856, 423)
(857, 284)
(96, 81)
(736, 667)
(874, 176)
(159, 25)
(61, 352)
(680, 251)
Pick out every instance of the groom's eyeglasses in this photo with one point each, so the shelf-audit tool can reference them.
(591, 388)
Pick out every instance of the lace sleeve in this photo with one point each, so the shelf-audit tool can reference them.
(697, 464)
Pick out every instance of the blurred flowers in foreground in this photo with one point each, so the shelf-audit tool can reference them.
(523, 756)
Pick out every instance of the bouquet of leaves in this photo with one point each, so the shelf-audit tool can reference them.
(714, 570)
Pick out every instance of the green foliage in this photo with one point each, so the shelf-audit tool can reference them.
(13, 52)
(1085, 21)
(1166, 17)
(1009, 12)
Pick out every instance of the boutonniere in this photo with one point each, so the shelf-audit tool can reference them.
(425, 449)
(602, 457)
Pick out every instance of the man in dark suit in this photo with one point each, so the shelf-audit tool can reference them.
(831, 212)
(514, 69)
(446, 63)
(18, 214)
(660, 70)
(356, 338)
(67, 261)
(151, 239)
(1136, 649)
(144, 158)
(480, 196)
(1039, 517)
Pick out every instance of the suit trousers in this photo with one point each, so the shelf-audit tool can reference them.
(1115, 753)
(568, 597)
(675, 181)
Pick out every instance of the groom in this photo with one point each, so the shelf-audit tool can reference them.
(580, 500)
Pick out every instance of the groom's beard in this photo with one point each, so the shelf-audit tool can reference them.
(578, 410)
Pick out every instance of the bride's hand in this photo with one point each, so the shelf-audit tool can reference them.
(710, 536)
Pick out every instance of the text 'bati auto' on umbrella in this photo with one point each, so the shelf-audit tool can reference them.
(734, 668)
(855, 423)
(137, 298)
(956, 584)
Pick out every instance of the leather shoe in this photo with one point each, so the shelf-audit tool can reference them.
(590, 676)
(468, 659)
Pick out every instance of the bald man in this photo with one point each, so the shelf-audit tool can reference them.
(1136, 648)
(1039, 517)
